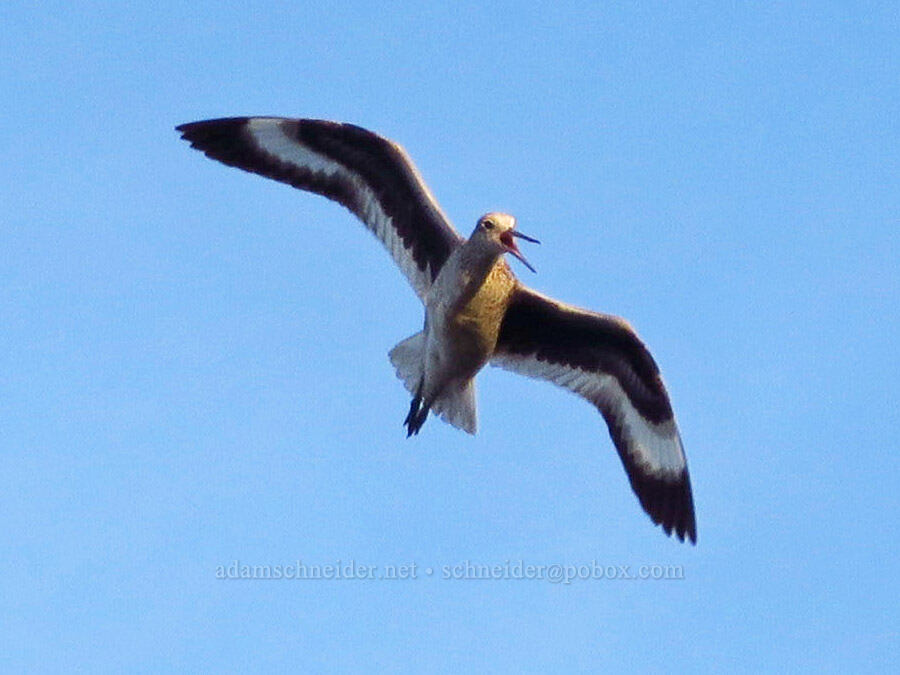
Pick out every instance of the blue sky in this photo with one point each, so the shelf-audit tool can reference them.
(194, 359)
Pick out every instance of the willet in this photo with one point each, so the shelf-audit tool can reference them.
(476, 310)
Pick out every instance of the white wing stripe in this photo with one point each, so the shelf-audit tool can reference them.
(269, 137)
(657, 447)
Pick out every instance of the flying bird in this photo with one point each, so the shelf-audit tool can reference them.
(476, 310)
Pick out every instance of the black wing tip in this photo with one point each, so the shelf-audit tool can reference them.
(306, 123)
(224, 139)
(669, 503)
(665, 496)
(214, 135)
(684, 531)
(201, 133)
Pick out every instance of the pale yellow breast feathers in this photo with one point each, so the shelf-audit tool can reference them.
(482, 313)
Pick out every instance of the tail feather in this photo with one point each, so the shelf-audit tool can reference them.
(458, 407)
(408, 358)
(456, 404)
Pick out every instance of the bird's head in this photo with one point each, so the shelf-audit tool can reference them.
(498, 230)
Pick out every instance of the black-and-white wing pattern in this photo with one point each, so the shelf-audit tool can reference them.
(370, 175)
(600, 358)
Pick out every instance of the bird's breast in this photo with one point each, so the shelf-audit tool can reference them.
(473, 321)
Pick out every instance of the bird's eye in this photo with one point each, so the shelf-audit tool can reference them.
(488, 224)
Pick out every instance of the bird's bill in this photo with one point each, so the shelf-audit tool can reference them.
(512, 248)
(518, 234)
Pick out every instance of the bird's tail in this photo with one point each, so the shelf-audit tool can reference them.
(455, 405)
(408, 358)
(458, 407)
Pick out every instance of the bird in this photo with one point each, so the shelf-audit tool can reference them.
(476, 310)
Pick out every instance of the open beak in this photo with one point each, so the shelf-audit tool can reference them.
(507, 239)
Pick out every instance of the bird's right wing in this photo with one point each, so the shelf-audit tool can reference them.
(368, 174)
(600, 358)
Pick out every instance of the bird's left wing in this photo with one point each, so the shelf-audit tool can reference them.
(370, 175)
(600, 358)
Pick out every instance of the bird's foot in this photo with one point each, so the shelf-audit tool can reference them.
(413, 409)
(416, 417)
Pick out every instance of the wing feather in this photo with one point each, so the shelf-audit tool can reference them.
(600, 358)
(370, 175)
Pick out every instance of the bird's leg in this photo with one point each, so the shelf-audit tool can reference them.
(416, 422)
(412, 422)
(413, 409)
